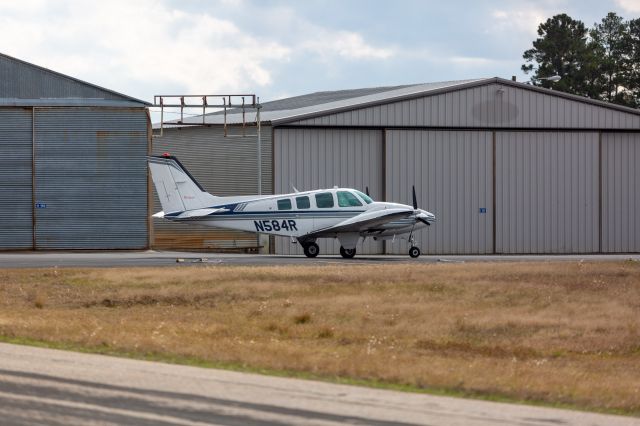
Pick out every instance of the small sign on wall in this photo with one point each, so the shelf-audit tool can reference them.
(41, 205)
(483, 210)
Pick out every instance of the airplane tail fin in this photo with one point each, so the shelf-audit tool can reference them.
(177, 189)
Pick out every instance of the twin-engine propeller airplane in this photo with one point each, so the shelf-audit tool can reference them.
(343, 213)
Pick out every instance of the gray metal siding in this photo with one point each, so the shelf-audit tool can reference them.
(547, 192)
(91, 173)
(491, 105)
(19, 79)
(312, 159)
(16, 231)
(224, 166)
(620, 197)
(452, 173)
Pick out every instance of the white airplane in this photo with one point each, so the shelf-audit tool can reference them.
(343, 213)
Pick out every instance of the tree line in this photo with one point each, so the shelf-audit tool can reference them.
(602, 62)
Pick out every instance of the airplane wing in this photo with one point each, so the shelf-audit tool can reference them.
(365, 221)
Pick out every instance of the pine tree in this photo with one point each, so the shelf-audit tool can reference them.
(561, 49)
(611, 42)
(633, 77)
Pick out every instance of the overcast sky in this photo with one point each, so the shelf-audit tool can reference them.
(280, 48)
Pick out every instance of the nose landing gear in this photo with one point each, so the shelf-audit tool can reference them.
(414, 251)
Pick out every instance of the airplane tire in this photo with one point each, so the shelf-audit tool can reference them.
(311, 250)
(414, 252)
(347, 253)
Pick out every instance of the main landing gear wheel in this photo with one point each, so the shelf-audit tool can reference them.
(347, 253)
(414, 252)
(311, 250)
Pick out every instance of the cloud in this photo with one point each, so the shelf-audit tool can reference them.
(521, 20)
(631, 6)
(145, 43)
(345, 44)
(151, 47)
(472, 61)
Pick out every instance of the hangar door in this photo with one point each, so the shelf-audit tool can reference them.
(90, 178)
(620, 192)
(16, 226)
(547, 192)
(452, 172)
(322, 158)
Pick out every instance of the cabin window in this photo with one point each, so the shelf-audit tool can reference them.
(365, 197)
(324, 200)
(284, 204)
(347, 199)
(303, 202)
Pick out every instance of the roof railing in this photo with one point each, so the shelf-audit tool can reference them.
(207, 103)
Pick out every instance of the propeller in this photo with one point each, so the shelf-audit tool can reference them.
(415, 200)
(425, 221)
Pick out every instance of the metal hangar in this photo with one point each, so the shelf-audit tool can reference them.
(74, 174)
(506, 167)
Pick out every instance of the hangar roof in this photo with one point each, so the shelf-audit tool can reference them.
(319, 98)
(26, 84)
(317, 104)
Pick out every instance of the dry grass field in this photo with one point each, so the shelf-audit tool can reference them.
(558, 333)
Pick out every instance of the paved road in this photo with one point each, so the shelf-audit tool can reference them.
(40, 259)
(45, 386)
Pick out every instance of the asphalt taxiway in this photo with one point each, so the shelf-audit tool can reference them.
(46, 259)
(45, 386)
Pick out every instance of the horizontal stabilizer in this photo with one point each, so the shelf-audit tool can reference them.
(189, 214)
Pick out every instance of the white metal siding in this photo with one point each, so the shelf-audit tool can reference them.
(547, 192)
(452, 172)
(91, 173)
(16, 228)
(491, 105)
(620, 197)
(321, 158)
(224, 166)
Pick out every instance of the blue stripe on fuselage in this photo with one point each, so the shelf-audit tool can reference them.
(285, 213)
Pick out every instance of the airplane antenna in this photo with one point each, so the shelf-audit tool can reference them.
(293, 187)
(366, 191)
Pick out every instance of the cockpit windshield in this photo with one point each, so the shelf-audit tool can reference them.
(365, 197)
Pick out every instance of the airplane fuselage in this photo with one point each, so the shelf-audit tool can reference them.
(298, 214)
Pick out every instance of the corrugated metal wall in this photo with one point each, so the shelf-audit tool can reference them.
(547, 192)
(452, 172)
(224, 166)
(91, 174)
(491, 105)
(16, 228)
(312, 159)
(620, 192)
